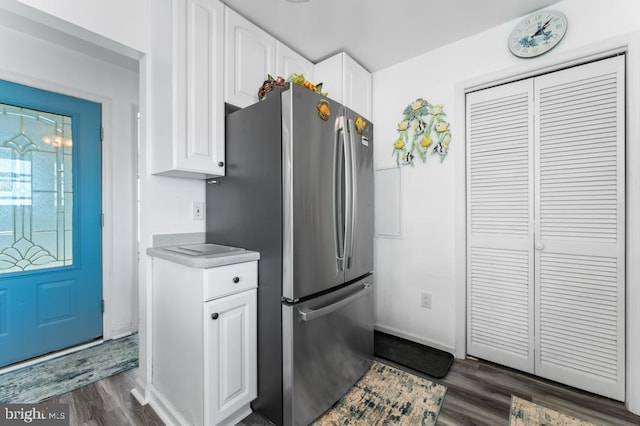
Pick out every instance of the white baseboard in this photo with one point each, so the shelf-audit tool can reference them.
(236, 417)
(121, 332)
(414, 338)
(139, 396)
(170, 416)
(140, 391)
(164, 409)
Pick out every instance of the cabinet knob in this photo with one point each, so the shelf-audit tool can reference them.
(236, 280)
(214, 316)
(220, 164)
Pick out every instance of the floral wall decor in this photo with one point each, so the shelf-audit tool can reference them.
(423, 129)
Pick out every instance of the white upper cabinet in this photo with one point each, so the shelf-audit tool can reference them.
(329, 73)
(191, 109)
(289, 61)
(356, 87)
(346, 81)
(250, 55)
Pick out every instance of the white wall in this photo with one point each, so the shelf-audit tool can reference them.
(423, 259)
(124, 21)
(39, 63)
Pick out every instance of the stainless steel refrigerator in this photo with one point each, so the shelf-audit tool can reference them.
(299, 189)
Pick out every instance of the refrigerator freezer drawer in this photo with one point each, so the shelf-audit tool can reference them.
(327, 347)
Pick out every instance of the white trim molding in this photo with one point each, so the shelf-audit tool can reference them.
(629, 45)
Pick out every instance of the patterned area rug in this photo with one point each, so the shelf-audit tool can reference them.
(526, 413)
(387, 396)
(69, 372)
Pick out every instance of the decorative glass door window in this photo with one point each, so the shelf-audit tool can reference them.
(36, 190)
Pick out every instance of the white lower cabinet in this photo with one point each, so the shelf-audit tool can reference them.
(204, 342)
(230, 348)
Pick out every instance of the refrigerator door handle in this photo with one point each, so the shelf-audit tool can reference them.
(353, 180)
(311, 314)
(348, 196)
(338, 205)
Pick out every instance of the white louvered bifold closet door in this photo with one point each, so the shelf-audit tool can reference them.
(500, 225)
(580, 226)
(546, 226)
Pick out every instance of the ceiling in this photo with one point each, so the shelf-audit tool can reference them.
(377, 37)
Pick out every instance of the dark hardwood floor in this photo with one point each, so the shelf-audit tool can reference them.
(479, 393)
(107, 402)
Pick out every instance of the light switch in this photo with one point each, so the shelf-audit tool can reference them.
(198, 210)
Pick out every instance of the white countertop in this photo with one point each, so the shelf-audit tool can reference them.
(205, 260)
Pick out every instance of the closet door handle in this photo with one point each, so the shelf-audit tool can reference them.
(539, 246)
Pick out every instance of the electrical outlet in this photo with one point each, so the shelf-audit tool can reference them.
(198, 210)
(426, 300)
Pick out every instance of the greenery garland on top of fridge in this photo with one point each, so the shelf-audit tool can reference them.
(421, 129)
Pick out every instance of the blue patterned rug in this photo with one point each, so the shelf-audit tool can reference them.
(386, 396)
(38, 382)
(527, 413)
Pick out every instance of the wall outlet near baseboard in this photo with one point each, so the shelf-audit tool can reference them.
(425, 300)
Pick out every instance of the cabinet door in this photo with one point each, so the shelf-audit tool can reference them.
(356, 87)
(188, 109)
(230, 358)
(197, 64)
(288, 62)
(329, 73)
(250, 56)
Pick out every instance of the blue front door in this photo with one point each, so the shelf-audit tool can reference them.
(50, 222)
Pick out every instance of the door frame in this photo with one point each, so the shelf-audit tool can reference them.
(629, 45)
(107, 191)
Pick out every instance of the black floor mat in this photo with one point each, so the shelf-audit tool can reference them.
(434, 362)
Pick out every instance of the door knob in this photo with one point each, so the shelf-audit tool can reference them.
(539, 246)
(214, 316)
(220, 164)
(236, 280)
